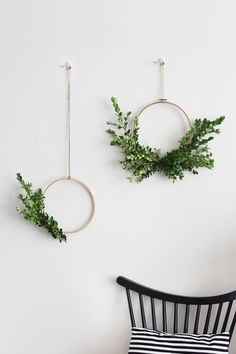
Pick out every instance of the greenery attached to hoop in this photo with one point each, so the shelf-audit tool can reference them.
(34, 210)
(143, 161)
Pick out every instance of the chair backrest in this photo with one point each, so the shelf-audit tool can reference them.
(173, 313)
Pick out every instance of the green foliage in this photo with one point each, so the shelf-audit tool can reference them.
(34, 210)
(143, 161)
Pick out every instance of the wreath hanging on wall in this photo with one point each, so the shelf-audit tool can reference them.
(143, 161)
(33, 201)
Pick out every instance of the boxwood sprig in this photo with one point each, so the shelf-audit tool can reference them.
(34, 209)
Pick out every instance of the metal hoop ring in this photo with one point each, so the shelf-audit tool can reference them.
(82, 184)
(169, 103)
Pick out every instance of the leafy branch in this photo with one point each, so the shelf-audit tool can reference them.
(34, 209)
(143, 161)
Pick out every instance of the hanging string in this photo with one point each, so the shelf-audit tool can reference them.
(162, 87)
(67, 67)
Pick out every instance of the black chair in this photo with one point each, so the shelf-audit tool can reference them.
(219, 311)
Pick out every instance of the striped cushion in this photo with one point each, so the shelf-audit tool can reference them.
(146, 341)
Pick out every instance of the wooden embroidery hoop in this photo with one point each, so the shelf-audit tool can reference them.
(67, 67)
(163, 100)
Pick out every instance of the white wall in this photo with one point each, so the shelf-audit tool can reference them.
(62, 298)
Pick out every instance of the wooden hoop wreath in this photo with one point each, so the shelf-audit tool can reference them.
(67, 67)
(143, 161)
(34, 200)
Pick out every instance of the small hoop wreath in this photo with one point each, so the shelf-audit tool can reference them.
(33, 200)
(143, 161)
(89, 192)
(34, 208)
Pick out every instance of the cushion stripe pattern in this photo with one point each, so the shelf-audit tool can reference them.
(145, 341)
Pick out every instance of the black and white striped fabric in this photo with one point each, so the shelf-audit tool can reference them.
(146, 341)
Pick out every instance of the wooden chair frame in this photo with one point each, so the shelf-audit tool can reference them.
(165, 298)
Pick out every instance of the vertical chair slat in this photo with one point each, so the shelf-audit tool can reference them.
(208, 316)
(232, 325)
(217, 317)
(142, 311)
(154, 320)
(227, 316)
(175, 317)
(196, 324)
(131, 312)
(186, 318)
(164, 318)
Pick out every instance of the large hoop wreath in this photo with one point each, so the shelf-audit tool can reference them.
(143, 161)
